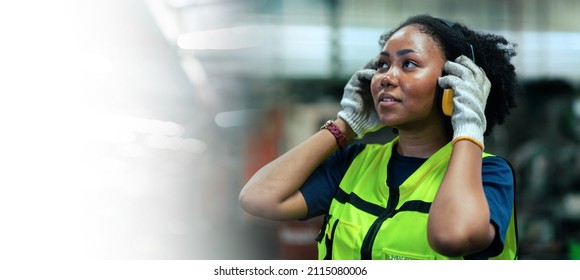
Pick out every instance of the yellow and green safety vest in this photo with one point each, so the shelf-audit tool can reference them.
(369, 220)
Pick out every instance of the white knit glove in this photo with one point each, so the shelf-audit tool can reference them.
(357, 103)
(471, 88)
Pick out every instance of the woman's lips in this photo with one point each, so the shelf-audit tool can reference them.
(387, 98)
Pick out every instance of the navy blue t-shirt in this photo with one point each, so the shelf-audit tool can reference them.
(497, 178)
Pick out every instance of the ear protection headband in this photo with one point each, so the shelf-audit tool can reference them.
(445, 96)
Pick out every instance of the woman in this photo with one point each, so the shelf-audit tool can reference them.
(431, 193)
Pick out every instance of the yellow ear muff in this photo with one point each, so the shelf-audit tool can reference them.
(447, 101)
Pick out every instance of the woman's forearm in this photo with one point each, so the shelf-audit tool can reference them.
(273, 191)
(459, 219)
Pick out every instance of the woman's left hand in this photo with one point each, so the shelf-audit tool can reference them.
(471, 87)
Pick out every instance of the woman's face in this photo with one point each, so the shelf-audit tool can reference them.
(403, 87)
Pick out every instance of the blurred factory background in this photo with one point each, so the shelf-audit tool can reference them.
(130, 126)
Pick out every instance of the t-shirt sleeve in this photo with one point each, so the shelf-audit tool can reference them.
(499, 188)
(320, 187)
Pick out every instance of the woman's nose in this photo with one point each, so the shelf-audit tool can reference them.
(388, 78)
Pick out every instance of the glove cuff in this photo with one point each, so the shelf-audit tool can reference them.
(357, 122)
(469, 132)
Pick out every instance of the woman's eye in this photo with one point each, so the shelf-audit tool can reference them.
(409, 64)
(381, 65)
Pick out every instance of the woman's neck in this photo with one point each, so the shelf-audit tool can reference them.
(421, 144)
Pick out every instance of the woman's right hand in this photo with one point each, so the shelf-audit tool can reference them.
(358, 109)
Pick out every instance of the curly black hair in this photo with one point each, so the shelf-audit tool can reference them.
(491, 52)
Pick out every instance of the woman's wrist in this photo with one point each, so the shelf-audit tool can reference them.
(345, 129)
(466, 139)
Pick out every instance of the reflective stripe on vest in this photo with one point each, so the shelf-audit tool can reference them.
(369, 220)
